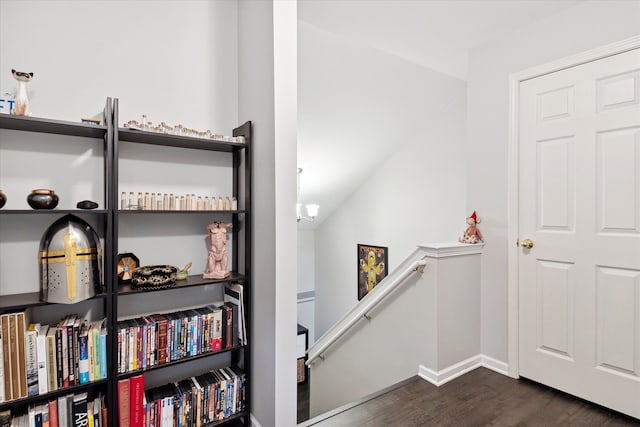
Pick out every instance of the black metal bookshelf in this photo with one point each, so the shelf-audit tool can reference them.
(241, 189)
(10, 303)
(108, 221)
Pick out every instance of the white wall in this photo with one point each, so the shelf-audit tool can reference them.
(577, 29)
(306, 281)
(267, 75)
(175, 61)
(180, 62)
(429, 324)
(417, 194)
(83, 52)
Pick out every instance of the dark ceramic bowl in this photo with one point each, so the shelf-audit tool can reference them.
(42, 199)
(3, 199)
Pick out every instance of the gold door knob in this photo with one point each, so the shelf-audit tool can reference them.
(527, 243)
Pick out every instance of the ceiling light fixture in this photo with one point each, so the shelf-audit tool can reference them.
(312, 209)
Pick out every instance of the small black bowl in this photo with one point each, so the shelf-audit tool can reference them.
(42, 199)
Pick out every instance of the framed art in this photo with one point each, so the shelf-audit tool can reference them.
(372, 267)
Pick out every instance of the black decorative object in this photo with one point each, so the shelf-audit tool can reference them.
(153, 277)
(86, 204)
(3, 199)
(127, 262)
(42, 199)
(70, 262)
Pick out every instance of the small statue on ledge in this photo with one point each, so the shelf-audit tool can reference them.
(217, 263)
(22, 101)
(472, 234)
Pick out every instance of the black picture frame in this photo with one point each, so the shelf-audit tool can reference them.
(371, 269)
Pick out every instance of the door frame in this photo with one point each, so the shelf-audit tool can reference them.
(513, 179)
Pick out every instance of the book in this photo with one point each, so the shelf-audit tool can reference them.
(13, 357)
(59, 358)
(124, 398)
(5, 418)
(21, 328)
(216, 335)
(63, 356)
(31, 359)
(161, 340)
(6, 358)
(90, 419)
(136, 392)
(97, 413)
(53, 413)
(52, 364)
(63, 416)
(1, 368)
(45, 415)
(227, 326)
(234, 293)
(41, 349)
(103, 349)
(83, 355)
(79, 410)
(77, 326)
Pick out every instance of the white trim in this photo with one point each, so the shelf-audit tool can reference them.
(361, 310)
(450, 373)
(303, 300)
(254, 421)
(443, 250)
(512, 229)
(454, 371)
(495, 365)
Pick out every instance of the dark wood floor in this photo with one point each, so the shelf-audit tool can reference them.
(480, 398)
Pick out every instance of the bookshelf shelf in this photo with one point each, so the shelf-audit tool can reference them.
(57, 127)
(15, 302)
(192, 280)
(53, 394)
(179, 361)
(149, 212)
(52, 211)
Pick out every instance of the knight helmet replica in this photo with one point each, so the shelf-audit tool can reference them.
(70, 260)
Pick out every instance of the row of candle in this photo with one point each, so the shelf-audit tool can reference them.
(179, 130)
(170, 202)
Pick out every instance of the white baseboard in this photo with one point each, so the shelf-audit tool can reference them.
(495, 365)
(454, 371)
(254, 421)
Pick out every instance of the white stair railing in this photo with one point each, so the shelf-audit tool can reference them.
(364, 307)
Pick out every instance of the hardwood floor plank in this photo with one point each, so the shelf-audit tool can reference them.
(477, 399)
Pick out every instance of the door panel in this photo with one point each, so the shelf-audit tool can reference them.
(579, 202)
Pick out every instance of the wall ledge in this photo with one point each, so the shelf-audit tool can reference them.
(449, 249)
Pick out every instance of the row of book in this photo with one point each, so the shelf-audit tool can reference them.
(36, 359)
(74, 410)
(156, 339)
(191, 402)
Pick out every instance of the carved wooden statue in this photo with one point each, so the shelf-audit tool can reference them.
(217, 263)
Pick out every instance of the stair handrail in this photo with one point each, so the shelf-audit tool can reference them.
(361, 310)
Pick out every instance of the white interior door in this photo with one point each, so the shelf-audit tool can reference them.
(579, 204)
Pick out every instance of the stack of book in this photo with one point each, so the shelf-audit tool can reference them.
(36, 359)
(195, 401)
(72, 410)
(156, 339)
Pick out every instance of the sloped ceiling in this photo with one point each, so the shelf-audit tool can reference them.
(357, 67)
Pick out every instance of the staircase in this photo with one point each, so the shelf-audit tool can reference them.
(423, 318)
